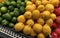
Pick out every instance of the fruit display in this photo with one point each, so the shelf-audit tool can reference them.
(36, 18)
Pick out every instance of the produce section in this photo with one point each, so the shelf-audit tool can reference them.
(34, 18)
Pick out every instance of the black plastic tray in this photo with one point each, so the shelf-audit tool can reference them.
(12, 34)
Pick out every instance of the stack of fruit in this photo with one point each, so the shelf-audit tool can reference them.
(10, 10)
(56, 24)
(34, 17)
(37, 19)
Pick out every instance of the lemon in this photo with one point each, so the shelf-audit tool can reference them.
(19, 27)
(21, 18)
(37, 28)
(27, 14)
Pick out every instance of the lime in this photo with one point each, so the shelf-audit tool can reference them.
(12, 13)
(11, 8)
(16, 13)
(22, 3)
(13, 3)
(4, 22)
(11, 24)
(14, 19)
(22, 9)
(18, 1)
(7, 16)
(3, 9)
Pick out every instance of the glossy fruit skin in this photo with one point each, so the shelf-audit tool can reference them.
(57, 30)
(58, 20)
(57, 11)
(54, 25)
(54, 35)
(3, 9)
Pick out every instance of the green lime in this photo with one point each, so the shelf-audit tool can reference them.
(22, 9)
(13, 3)
(11, 8)
(14, 19)
(11, 24)
(18, 5)
(6, 16)
(18, 2)
(3, 9)
(16, 13)
(16, 9)
(12, 13)
(22, 3)
(4, 22)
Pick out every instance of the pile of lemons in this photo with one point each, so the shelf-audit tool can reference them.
(38, 18)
